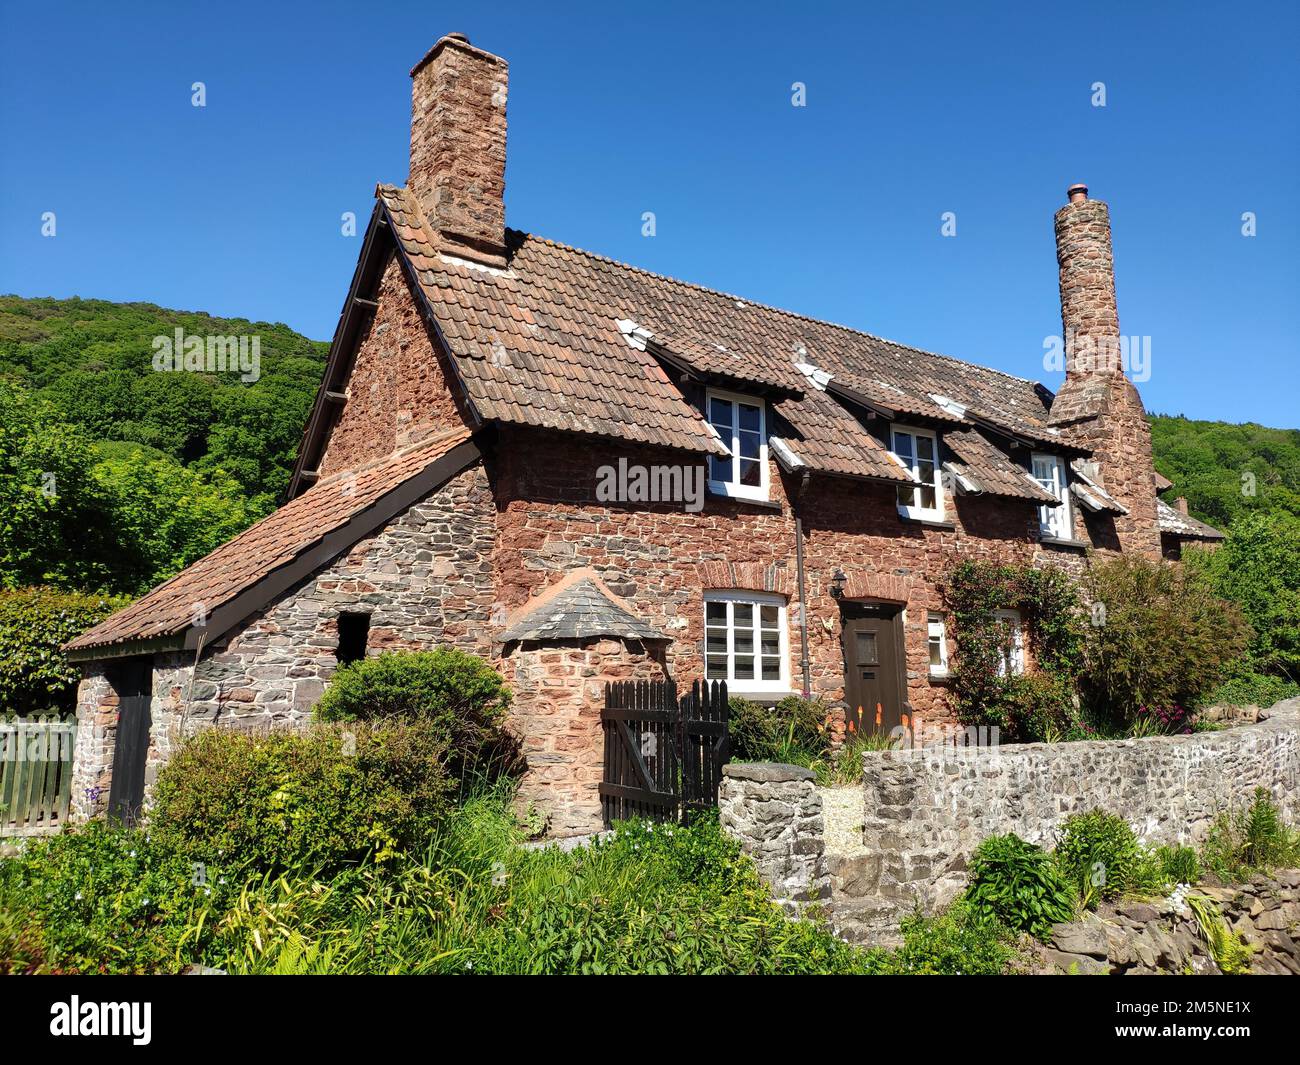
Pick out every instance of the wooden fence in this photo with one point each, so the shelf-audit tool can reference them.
(35, 773)
(663, 755)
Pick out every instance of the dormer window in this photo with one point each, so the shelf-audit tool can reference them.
(1054, 522)
(918, 451)
(741, 424)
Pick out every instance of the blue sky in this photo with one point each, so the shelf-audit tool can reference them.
(832, 209)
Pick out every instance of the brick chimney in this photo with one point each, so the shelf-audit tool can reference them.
(1180, 504)
(458, 147)
(1098, 407)
(1089, 317)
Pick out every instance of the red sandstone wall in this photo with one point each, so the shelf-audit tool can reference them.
(661, 558)
(397, 390)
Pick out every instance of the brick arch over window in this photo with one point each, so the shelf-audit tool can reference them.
(747, 576)
(884, 586)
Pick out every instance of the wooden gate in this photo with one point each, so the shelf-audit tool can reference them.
(663, 755)
(35, 773)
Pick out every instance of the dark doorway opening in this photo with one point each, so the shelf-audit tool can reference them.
(354, 631)
(132, 680)
(874, 684)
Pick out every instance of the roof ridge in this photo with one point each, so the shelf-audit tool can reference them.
(767, 306)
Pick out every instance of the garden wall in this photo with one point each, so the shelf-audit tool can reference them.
(926, 810)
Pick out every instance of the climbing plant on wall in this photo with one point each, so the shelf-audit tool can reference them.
(1037, 705)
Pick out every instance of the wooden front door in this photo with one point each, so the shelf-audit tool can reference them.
(873, 685)
(133, 681)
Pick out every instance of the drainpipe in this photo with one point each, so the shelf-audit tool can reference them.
(803, 594)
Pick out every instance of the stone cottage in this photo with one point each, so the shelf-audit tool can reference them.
(583, 472)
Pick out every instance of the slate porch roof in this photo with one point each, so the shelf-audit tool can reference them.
(1176, 523)
(577, 612)
(539, 343)
(343, 508)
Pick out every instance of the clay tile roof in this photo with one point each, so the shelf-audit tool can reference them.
(274, 542)
(539, 343)
(1184, 525)
(828, 438)
(579, 611)
(980, 461)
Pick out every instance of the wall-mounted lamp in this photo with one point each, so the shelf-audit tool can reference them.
(838, 581)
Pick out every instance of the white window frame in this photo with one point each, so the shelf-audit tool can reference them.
(937, 625)
(734, 489)
(1057, 522)
(749, 685)
(913, 510)
(1017, 656)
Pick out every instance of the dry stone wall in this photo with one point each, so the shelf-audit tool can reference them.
(775, 811)
(926, 810)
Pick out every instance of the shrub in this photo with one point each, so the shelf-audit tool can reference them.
(801, 724)
(961, 941)
(1164, 641)
(1245, 839)
(1024, 707)
(103, 899)
(751, 731)
(793, 730)
(1100, 854)
(1251, 689)
(1258, 567)
(1179, 865)
(34, 674)
(329, 796)
(461, 697)
(1019, 884)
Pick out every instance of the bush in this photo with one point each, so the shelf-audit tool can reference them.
(34, 674)
(1019, 884)
(751, 731)
(1179, 865)
(793, 730)
(461, 697)
(1165, 638)
(961, 941)
(326, 797)
(1037, 706)
(1100, 854)
(1258, 567)
(650, 899)
(1247, 839)
(1251, 689)
(801, 724)
(103, 899)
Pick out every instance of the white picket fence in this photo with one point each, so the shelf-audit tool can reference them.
(35, 773)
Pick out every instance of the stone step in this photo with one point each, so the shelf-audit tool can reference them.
(869, 922)
(853, 875)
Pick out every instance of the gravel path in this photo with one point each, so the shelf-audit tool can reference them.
(842, 810)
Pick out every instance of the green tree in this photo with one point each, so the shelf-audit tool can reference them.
(1258, 567)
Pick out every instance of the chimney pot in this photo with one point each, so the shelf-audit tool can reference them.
(1180, 504)
(1089, 317)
